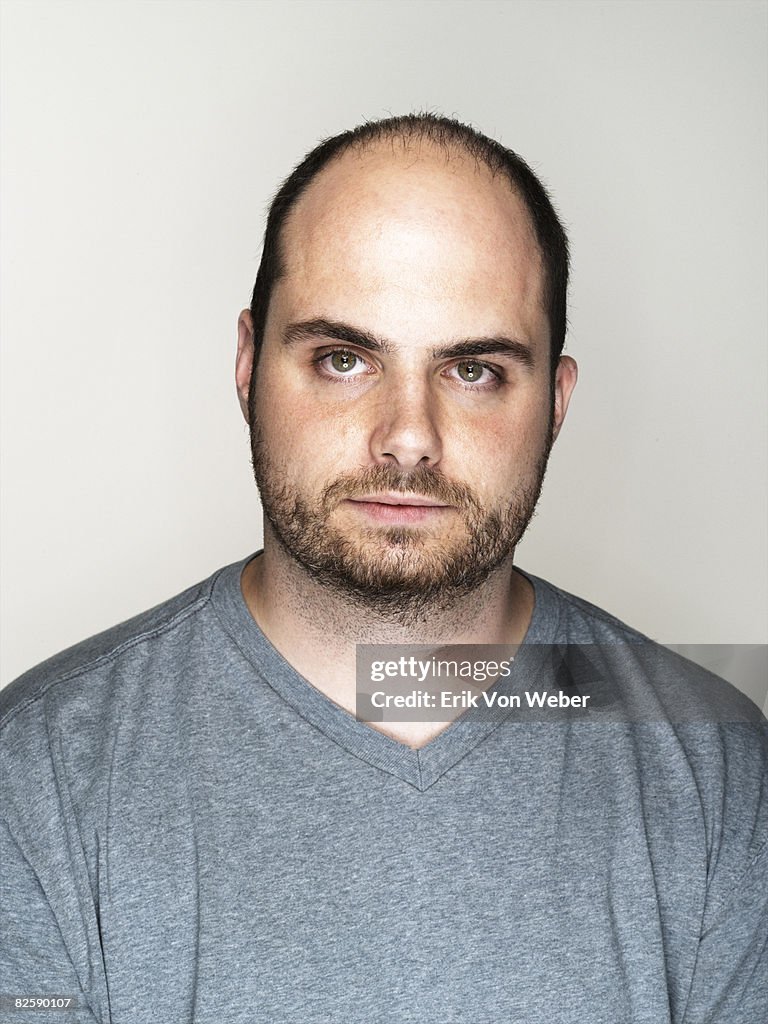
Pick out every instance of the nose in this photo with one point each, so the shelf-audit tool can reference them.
(406, 430)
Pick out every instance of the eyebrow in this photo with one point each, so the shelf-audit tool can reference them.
(335, 330)
(486, 347)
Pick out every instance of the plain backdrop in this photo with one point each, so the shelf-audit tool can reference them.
(141, 144)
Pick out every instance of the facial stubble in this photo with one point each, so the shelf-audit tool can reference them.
(400, 572)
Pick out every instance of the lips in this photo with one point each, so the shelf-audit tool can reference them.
(410, 500)
(399, 509)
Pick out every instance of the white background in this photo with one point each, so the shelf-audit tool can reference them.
(141, 144)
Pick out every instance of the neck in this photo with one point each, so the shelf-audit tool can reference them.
(316, 628)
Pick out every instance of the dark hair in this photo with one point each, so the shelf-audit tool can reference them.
(449, 134)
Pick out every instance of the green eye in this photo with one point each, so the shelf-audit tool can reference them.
(469, 371)
(343, 362)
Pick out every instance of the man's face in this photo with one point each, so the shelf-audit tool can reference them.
(404, 408)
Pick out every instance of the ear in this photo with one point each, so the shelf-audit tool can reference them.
(244, 360)
(566, 375)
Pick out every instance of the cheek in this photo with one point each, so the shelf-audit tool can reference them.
(307, 442)
(494, 452)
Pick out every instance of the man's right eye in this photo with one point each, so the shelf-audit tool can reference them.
(342, 363)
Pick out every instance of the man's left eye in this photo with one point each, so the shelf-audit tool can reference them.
(469, 371)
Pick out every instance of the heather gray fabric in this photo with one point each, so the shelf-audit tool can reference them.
(190, 832)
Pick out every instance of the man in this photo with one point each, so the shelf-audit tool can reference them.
(198, 822)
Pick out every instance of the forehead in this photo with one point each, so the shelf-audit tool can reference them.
(413, 234)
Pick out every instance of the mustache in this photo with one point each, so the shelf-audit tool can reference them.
(421, 481)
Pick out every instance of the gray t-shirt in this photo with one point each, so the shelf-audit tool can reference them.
(192, 832)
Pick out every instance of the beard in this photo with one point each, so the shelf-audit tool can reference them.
(396, 571)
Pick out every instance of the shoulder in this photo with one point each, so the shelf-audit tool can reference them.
(686, 722)
(105, 664)
(580, 621)
(85, 725)
(691, 731)
(650, 680)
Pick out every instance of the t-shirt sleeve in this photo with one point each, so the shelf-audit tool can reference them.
(34, 958)
(730, 981)
(50, 935)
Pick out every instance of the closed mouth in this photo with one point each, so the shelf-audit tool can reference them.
(413, 500)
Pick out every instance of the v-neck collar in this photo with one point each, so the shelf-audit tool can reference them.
(421, 767)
